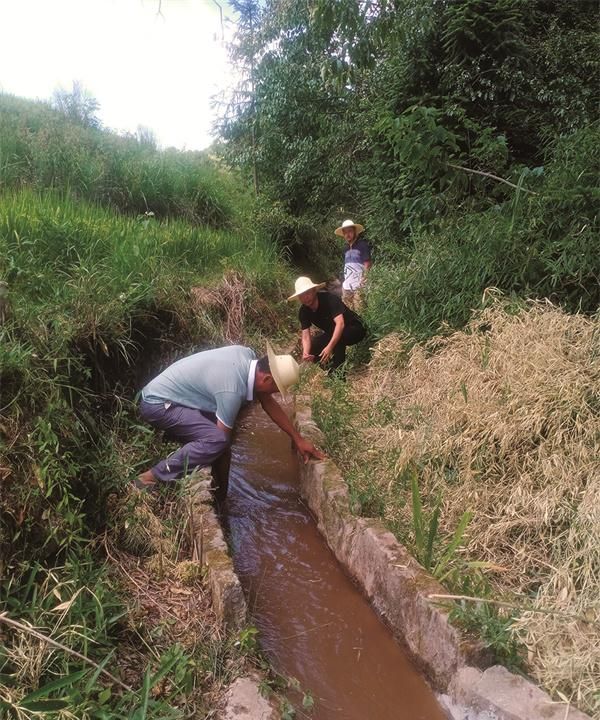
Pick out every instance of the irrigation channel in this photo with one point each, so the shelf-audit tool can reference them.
(314, 624)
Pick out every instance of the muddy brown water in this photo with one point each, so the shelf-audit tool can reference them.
(314, 623)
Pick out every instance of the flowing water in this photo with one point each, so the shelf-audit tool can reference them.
(314, 623)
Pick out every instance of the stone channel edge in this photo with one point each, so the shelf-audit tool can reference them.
(243, 699)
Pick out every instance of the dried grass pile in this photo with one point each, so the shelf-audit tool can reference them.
(228, 298)
(504, 420)
(233, 304)
(168, 602)
(138, 528)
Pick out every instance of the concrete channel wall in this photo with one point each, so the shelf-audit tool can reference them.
(399, 589)
(243, 700)
(211, 552)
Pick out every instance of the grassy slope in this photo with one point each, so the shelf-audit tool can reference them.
(101, 240)
(39, 148)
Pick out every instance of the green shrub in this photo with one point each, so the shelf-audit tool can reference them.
(542, 245)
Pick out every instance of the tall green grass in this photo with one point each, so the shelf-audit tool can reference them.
(95, 299)
(90, 292)
(76, 267)
(41, 148)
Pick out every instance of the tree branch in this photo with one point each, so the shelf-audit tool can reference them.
(221, 20)
(494, 177)
(512, 606)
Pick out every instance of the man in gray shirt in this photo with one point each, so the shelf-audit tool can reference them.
(196, 401)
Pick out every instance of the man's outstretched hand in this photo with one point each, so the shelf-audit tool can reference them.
(278, 416)
(308, 450)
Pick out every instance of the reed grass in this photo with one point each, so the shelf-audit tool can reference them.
(42, 148)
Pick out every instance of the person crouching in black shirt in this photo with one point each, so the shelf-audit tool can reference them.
(340, 325)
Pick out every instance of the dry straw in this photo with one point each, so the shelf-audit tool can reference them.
(504, 420)
(233, 305)
(229, 299)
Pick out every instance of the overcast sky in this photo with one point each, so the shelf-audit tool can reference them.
(144, 68)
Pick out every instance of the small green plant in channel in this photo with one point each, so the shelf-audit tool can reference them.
(248, 640)
(265, 688)
(308, 702)
(287, 710)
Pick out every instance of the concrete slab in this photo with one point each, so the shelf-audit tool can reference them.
(244, 702)
(507, 696)
(210, 550)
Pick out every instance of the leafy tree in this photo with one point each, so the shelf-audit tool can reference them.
(240, 118)
(417, 115)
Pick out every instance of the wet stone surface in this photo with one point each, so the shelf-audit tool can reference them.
(244, 702)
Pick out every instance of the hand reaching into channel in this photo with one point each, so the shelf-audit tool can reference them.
(308, 451)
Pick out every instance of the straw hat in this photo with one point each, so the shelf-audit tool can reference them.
(347, 224)
(303, 284)
(284, 369)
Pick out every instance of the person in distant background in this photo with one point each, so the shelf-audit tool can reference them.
(357, 261)
(341, 326)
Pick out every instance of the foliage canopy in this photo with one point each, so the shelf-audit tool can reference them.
(402, 112)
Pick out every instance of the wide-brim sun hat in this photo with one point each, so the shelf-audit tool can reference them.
(284, 369)
(303, 284)
(349, 223)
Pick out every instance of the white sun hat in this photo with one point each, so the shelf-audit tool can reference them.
(284, 369)
(347, 224)
(303, 284)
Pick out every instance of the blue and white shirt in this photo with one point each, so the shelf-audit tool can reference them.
(355, 257)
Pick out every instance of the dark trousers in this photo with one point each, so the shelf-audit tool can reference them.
(351, 335)
(203, 442)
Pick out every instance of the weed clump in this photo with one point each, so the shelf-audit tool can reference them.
(138, 529)
(188, 572)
